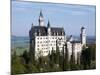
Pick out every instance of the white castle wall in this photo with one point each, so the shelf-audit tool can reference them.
(44, 44)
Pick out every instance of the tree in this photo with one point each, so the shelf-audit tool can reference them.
(14, 55)
(57, 54)
(86, 58)
(72, 60)
(52, 58)
(93, 51)
(32, 57)
(17, 66)
(31, 68)
(66, 62)
(26, 56)
(61, 61)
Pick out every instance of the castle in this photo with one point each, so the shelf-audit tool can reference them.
(44, 39)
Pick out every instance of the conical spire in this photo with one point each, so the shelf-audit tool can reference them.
(41, 13)
(49, 29)
(71, 38)
(41, 19)
(32, 25)
(48, 25)
(82, 27)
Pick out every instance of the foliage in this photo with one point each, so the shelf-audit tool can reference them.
(17, 66)
(55, 61)
(88, 58)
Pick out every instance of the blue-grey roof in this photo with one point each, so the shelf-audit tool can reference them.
(42, 30)
(75, 41)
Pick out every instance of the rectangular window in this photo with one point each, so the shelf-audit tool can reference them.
(38, 45)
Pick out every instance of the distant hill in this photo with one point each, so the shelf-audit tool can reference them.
(19, 41)
(24, 40)
(90, 39)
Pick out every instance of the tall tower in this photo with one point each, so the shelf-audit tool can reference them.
(41, 19)
(48, 28)
(32, 26)
(83, 36)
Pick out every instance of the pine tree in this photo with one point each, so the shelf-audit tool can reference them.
(51, 60)
(26, 56)
(57, 55)
(86, 58)
(66, 58)
(72, 60)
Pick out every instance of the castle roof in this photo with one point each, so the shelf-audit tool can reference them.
(41, 13)
(74, 41)
(82, 27)
(42, 31)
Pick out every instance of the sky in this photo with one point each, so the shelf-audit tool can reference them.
(70, 17)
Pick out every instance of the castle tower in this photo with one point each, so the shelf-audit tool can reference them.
(41, 19)
(32, 26)
(71, 38)
(48, 28)
(83, 36)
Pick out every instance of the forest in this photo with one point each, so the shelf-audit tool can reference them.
(54, 62)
